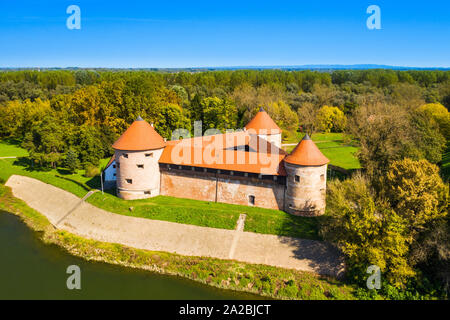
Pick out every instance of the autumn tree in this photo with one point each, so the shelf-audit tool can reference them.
(416, 191)
(330, 119)
(283, 115)
(367, 231)
(307, 115)
(440, 114)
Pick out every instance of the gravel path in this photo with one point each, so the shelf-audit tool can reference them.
(88, 221)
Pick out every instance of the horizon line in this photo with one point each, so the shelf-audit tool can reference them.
(236, 67)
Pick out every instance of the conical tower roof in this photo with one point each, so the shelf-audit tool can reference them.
(263, 123)
(306, 153)
(139, 136)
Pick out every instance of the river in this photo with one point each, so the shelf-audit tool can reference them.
(31, 269)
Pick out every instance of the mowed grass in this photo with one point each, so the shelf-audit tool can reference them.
(187, 211)
(334, 146)
(11, 148)
(445, 164)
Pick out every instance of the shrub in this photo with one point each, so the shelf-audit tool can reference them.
(91, 171)
(289, 291)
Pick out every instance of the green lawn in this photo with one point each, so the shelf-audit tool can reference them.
(445, 164)
(195, 212)
(333, 146)
(10, 148)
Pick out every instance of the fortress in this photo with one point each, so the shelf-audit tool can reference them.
(246, 167)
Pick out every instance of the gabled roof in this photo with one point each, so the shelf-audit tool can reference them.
(226, 152)
(306, 153)
(139, 136)
(113, 158)
(263, 123)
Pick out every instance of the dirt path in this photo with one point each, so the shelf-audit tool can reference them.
(88, 221)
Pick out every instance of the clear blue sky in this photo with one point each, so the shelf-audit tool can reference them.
(175, 33)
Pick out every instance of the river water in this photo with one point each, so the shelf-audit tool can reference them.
(30, 269)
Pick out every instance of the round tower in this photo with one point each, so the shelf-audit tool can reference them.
(137, 152)
(306, 182)
(265, 128)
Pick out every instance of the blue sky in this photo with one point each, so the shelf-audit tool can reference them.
(223, 33)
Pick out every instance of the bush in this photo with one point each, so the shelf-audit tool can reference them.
(289, 291)
(91, 171)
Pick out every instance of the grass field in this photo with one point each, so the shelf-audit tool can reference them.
(445, 164)
(10, 148)
(333, 145)
(201, 213)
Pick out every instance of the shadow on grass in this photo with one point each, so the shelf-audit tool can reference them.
(87, 188)
(11, 141)
(27, 165)
(321, 256)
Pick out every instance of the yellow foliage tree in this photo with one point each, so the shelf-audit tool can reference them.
(283, 115)
(416, 191)
(330, 119)
(440, 114)
(367, 231)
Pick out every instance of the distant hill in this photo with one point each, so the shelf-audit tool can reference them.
(317, 67)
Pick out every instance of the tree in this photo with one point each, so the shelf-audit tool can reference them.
(219, 114)
(384, 133)
(307, 115)
(416, 191)
(71, 161)
(45, 141)
(367, 231)
(171, 117)
(330, 119)
(440, 114)
(283, 115)
(430, 143)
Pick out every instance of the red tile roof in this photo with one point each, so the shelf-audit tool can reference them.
(226, 152)
(139, 136)
(306, 153)
(263, 123)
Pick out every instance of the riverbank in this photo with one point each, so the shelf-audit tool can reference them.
(264, 280)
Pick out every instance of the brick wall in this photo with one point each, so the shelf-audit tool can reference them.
(234, 190)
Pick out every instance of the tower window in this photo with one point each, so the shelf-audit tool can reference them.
(130, 181)
(322, 177)
(251, 200)
(125, 155)
(140, 166)
(114, 166)
(297, 178)
(114, 174)
(149, 155)
(148, 192)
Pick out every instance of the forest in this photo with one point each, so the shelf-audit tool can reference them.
(392, 213)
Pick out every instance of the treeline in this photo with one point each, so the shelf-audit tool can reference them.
(84, 111)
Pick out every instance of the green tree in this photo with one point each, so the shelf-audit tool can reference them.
(219, 114)
(71, 161)
(367, 231)
(171, 117)
(45, 141)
